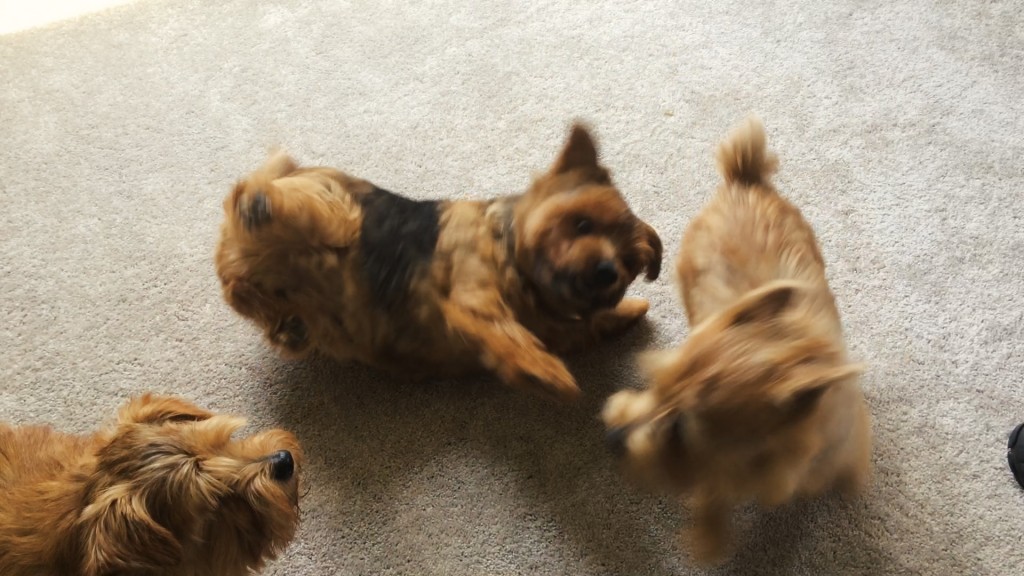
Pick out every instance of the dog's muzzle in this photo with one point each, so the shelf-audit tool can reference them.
(604, 275)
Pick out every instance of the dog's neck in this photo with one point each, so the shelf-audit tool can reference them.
(504, 218)
(522, 291)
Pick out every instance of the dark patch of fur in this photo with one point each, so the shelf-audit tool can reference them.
(257, 212)
(398, 239)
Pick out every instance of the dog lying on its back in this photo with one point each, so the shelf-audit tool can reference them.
(760, 402)
(326, 262)
(163, 491)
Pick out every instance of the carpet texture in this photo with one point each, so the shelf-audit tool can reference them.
(899, 129)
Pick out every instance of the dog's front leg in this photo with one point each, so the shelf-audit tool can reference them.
(576, 336)
(709, 538)
(318, 214)
(506, 347)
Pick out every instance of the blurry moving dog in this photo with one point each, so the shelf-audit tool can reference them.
(760, 402)
(326, 262)
(164, 491)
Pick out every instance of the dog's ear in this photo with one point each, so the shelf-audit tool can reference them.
(766, 302)
(650, 250)
(799, 395)
(119, 536)
(152, 409)
(580, 154)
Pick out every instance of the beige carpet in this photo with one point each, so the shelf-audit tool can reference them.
(899, 125)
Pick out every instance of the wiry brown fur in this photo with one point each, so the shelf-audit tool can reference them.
(164, 491)
(504, 287)
(760, 402)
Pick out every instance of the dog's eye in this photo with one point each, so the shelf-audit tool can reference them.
(584, 225)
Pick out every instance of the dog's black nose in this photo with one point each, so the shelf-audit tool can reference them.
(282, 466)
(615, 438)
(605, 274)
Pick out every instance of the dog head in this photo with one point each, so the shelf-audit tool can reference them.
(257, 278)
(576, 238)
(170, 487)
(738, 391)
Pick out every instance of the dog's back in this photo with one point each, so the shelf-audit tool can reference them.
(747, 235)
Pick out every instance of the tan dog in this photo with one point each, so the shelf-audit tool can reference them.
(326, 262)
(760, 402)
(163, 491)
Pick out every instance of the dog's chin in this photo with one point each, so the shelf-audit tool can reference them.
(592, 302)
(282, 507)
(279, 524)
(567, 294)
(584, 303)
(282, 527)
(255, 528)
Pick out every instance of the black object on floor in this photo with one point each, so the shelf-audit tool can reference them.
(1015, 453)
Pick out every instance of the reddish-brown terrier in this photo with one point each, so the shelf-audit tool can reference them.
(326, 262)
(760, 402)
(164, 490)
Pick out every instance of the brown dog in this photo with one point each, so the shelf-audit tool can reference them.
(326, 262)
(760, 402)
(164, 491)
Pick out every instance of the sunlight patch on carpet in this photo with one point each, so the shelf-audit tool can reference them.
(18, 15)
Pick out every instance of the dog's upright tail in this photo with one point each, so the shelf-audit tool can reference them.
(743, 157)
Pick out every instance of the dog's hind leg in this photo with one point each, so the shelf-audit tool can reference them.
(312, 207)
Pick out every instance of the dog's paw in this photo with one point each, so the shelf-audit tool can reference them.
(632, 309)
(545, 375)
(618, 319)
(624, 408)
(254, 209)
